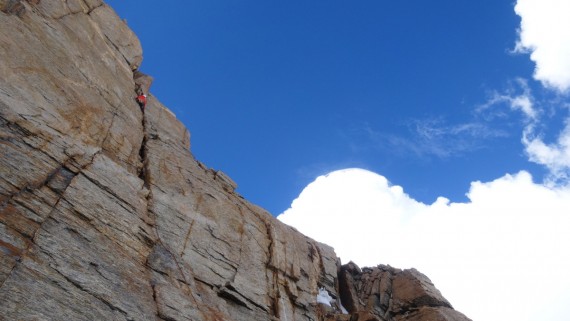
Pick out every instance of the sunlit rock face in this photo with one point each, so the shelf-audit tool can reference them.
(387, 293)
(106, 215)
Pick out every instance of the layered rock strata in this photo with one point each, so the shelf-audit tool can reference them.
(106, 215)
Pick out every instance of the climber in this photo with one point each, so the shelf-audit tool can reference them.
(141, 99)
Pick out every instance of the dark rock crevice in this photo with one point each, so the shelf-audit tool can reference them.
(229, 293)
(168, 255)
(272, 276)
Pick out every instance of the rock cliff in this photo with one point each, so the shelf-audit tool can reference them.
(106, 215)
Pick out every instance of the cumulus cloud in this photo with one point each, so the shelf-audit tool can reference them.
(505, 246)
(544, 33)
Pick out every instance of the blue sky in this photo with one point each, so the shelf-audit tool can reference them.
(277, 93)
(437, 131)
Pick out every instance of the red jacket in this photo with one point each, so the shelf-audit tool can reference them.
(141, 99)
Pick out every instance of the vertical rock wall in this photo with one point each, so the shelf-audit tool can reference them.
(222, 256)
(104, 212)
(106, 215)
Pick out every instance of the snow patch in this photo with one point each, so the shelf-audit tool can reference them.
(324, 297)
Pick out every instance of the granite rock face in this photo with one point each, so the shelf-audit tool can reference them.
(106, 215)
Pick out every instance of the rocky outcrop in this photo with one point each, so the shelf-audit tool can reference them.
(384, 293)
(106, 215)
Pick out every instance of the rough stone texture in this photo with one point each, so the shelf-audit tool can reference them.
(142, 82)
(106, 215)
(384, 293)
(250, 267)
(12, 7)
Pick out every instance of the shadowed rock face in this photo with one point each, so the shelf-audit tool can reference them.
(106, 215)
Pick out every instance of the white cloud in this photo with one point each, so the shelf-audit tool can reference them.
(523, 102)
(544, 32)
(501, 256)
(555, 156)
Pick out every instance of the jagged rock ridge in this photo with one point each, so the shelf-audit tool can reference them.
(106, 215)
